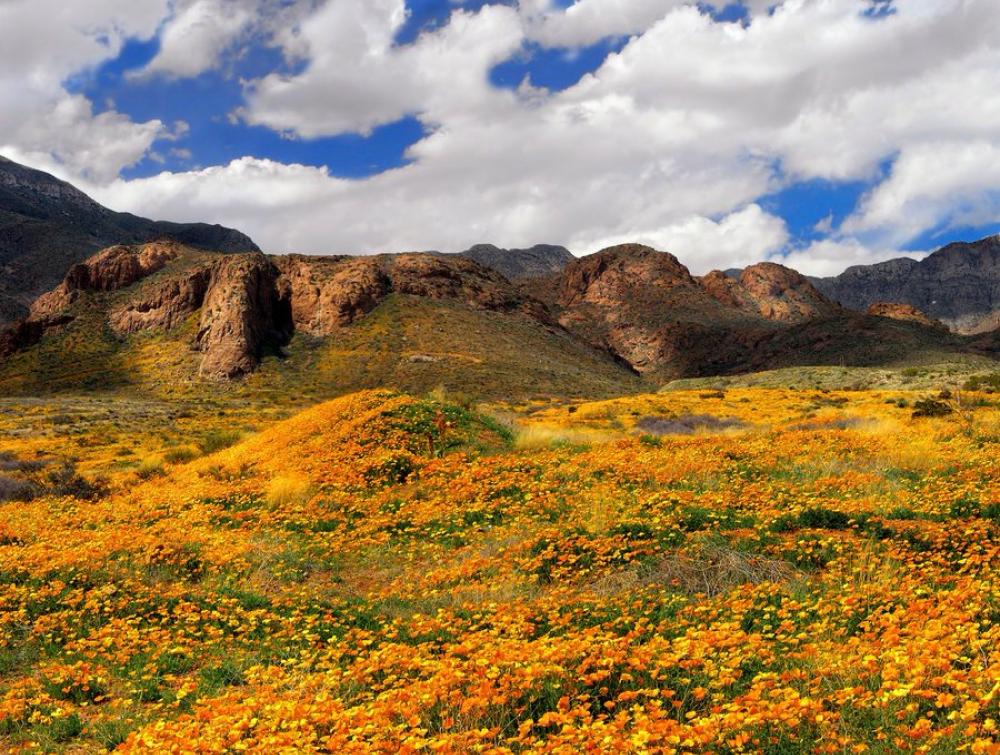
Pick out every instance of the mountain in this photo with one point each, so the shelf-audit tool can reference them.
(513, 264)
(166, 316)
(959, 285)
(644, 307)
(47, 225)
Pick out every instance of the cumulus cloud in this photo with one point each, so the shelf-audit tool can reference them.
(43, 43)
(197, 34)
(673, 140)
(831, 257)
(589, 21)
(357, 78)
(949, 184)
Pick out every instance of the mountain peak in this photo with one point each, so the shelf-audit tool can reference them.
(534, 262)
(47, 226)
(959, 284)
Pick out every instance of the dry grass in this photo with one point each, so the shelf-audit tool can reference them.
(708, 570)
(546, 436)
(288, 491)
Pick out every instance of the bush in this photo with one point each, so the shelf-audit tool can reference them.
(986, 383)
(66, 481)
(16, 490)
(149, 467)
(930, 407)
(180, 455)
(218, 440)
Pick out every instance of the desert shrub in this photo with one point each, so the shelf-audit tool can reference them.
(217, 440)
(930, 407)
(149, 467)
(986, 383)
(180, 455)
(12, 489)
(65, 481)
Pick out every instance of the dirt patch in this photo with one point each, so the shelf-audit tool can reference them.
(686, 424)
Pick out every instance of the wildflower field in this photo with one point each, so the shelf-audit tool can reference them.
(759, 570)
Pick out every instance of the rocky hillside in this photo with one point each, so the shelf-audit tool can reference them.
(47, 225)
(645, 308)
(605, 324)
(412, 320)
(958, 285)
(514, 264)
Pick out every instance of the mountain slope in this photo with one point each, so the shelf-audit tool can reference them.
(534, 262)
(644, 307)
(47, 225)
(167, 317)
(959, 285)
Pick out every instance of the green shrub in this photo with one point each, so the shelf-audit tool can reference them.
(986, 383)
(218, 440)
(930, 407)
(180, 455)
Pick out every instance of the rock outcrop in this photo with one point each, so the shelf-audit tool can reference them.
(109, 270)
(959, 284)
(773, 291)
(905, 312)
(249, 303)
(242, 312)
(516, 264)
(47, 226)
(327, 293)
(162, 306)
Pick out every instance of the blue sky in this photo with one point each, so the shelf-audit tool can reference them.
(769, 145)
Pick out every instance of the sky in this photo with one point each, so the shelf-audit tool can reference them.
(816, 133)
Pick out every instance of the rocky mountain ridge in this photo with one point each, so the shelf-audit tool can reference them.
(958, 284)
(646, 308)
(47, 226)
(514, 264)
(248, 302)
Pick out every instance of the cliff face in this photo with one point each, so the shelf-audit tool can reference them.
(958, 284)
(645, 308)
(249, 302)
(47, 226)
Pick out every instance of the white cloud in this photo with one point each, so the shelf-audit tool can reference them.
(739, 239)
(44, 42)
(357, 79)
(831, 257)
(589, 21)
(673, 140)
(932, 185)
(197, 35)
